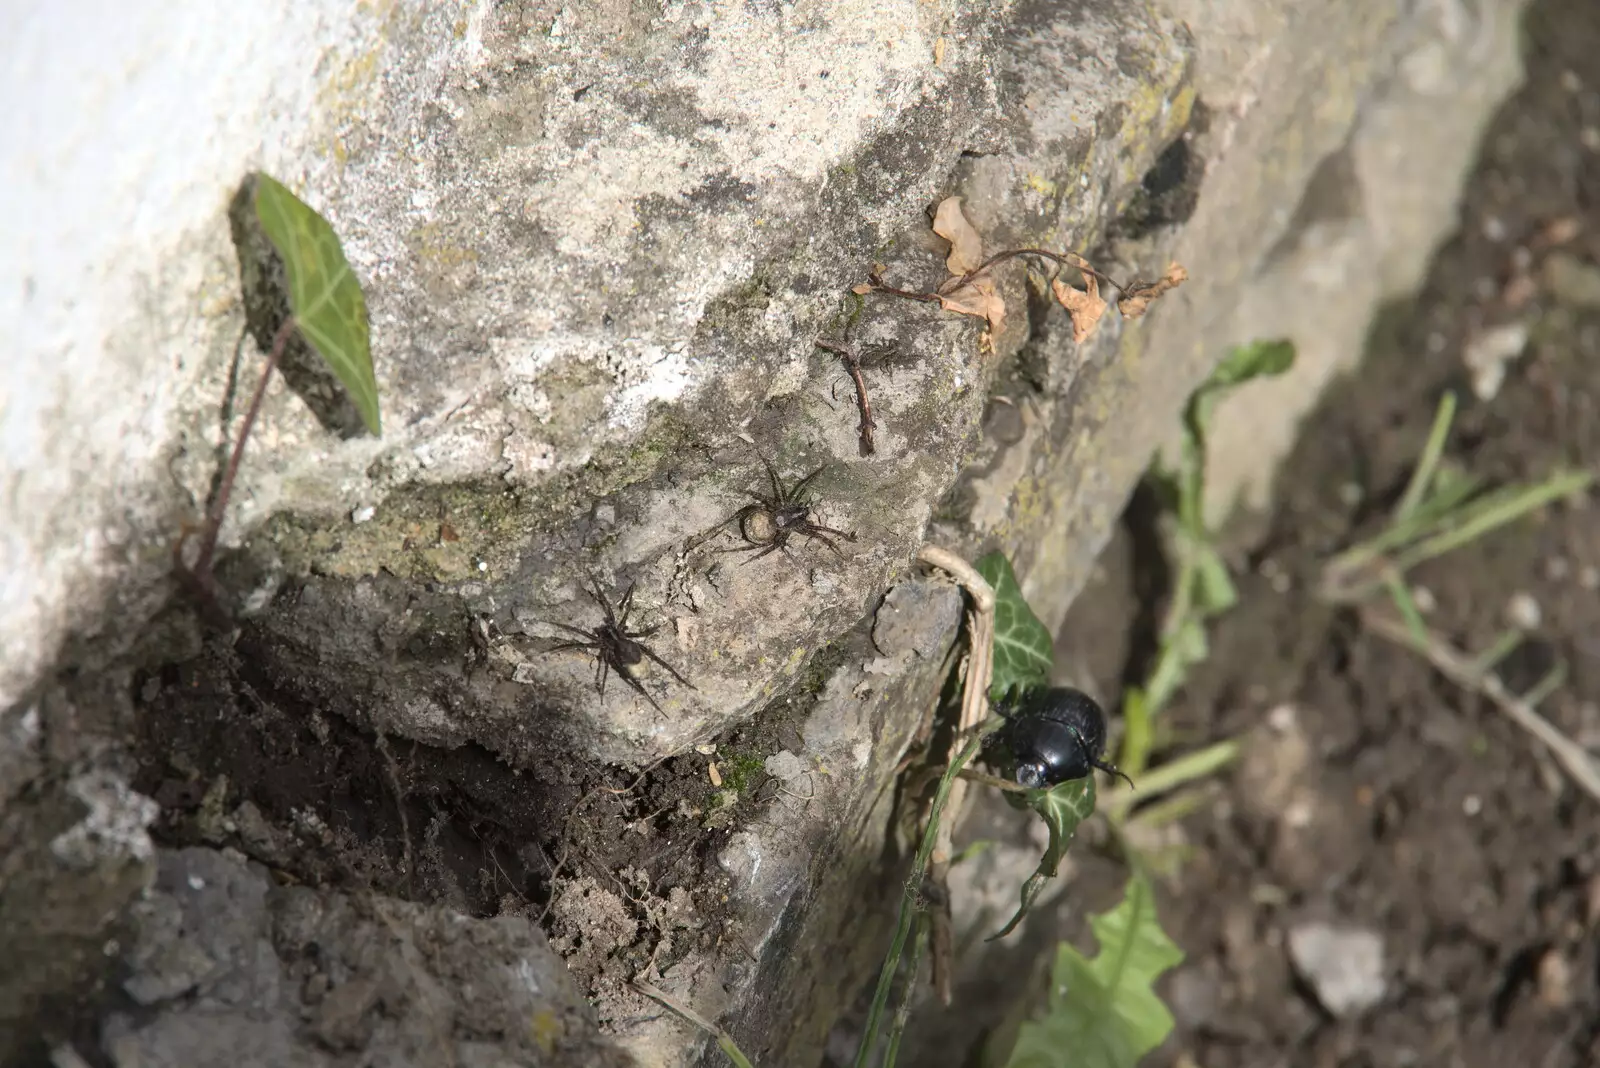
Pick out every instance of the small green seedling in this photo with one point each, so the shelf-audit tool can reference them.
(1441, 510)
(1203, 588)
(328, 308)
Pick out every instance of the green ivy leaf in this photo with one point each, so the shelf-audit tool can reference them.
(1102, 1012)
(1256, 360)
(1023, 651)
(1062, 807)
(329, 308)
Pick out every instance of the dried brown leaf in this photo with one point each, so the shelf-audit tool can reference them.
(966, 247)
(1136, 299)
(978, 297)
(1084, 307)
(863, 289)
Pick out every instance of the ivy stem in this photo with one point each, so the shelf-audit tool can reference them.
(213, 527)
(1068, 260)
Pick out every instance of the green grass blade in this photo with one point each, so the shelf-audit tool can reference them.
(1495, 512)
(902, 1015)
(1188, 768)
(1406, 605)
(910, 899)
(326, 299)
(1422, 477)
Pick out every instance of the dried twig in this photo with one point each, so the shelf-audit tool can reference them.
(1469, 674)
(974, 710)
(852, 364)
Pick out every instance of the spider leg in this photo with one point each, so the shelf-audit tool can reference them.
(845, 534)
(669, 667)
(599, 598)
(771, 547)
(569, 629)
(572, 645)
(625, 606)
(637, 685)
(600, 666)
(794, 490)
(824, 539)
(632, 635)
(777, 486)
(705, 535)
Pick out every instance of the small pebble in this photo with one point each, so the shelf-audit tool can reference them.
(1472, 804)
(1555, 980)
(1423, 598)
(363, 514)
(1343, 965)
(1523, 612)
(1283, 718)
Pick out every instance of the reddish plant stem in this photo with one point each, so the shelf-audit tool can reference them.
(1069, 260)
(852, 364)
(213, 527)
(1065, 261)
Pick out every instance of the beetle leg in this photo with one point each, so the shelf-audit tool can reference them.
(1111, 769)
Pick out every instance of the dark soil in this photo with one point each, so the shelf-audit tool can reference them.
(610, 861)
(1373, 792)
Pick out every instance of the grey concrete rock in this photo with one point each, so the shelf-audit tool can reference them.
(232, 969)
(74, 855)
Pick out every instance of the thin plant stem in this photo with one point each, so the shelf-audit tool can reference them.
(902, 1015)
(724, 1039)
(213, 528)
(1067, 260)
(1422, 477)
(910, 897)
(1464, 671)
(852, 364)
(1186, 769)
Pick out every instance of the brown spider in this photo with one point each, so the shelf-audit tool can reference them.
(615, 647)
(769, 523)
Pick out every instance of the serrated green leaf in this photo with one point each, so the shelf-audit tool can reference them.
(1255, 360)
(329, 308)
(1062, 808)
(1023, 651)
(1102, 1012)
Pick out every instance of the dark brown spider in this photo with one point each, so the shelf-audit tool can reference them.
(615, 647)
(769, 523)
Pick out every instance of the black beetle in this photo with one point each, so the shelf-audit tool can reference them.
(1053, 736)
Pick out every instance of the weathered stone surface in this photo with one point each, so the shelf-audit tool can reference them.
(228, 968)
(73, 855)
